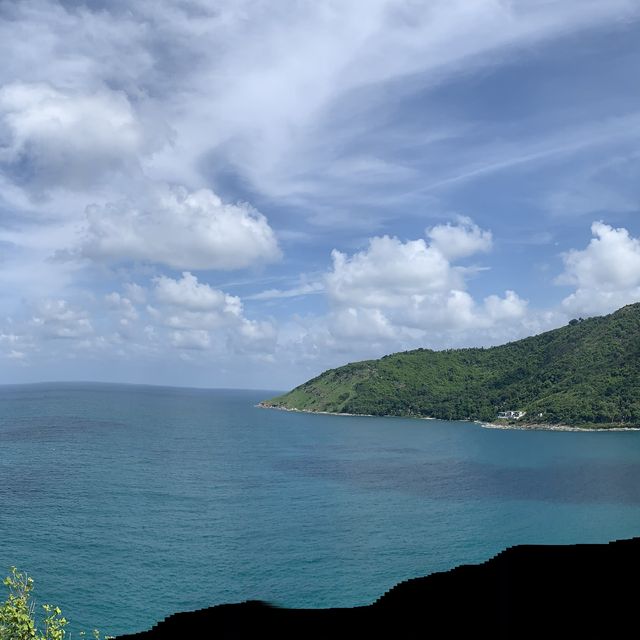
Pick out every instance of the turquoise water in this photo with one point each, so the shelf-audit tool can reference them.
(128, 503)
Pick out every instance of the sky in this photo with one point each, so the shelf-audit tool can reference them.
(242, 193)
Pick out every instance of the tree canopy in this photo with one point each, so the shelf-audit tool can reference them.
(586, 373)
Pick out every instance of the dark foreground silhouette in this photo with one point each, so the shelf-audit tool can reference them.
(524, 592)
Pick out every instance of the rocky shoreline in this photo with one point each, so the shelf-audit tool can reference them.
(550, 427)
(524, 426)
(262, 405)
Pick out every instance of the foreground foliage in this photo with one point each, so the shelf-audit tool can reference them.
(584, 374)
(17, 613)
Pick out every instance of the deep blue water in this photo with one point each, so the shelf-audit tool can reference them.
(128, 503)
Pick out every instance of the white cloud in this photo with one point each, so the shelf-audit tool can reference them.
(53, 138)
(122, 305)
(325, 111)
(254, 336)
(388, 273)
(413, 291)
(57, 319)
(197, 339)
(195, 311)
(611, 261)
(135, 293)
(306, 289)
(181, 229)
(277, 111)
(460, 240)
(606, 273)
(72, 45)
(9, 338)
(15, 346)
(192, 295)
(448, 319)
(361, 324)
(509, 307)
(395, 274)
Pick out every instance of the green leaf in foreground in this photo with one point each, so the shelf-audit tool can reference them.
(17, 613)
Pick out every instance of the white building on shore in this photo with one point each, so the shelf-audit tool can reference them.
(511, 415)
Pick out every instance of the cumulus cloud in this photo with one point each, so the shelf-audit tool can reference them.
(254, 336)
(194, 312)
(58, 319)
(181, 229)
(61, 138)
(197, 339)
(606, 273)
(193, 295)
(414, 283)
(135, 292)
(288, 101)
(14, 346)
(512, 306)
(356, 323)
(460, 240)
(123, 307)
(405, 290)
(389, 272)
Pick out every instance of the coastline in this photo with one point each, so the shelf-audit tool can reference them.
(549, 427)
(261, 405)
(482, 423)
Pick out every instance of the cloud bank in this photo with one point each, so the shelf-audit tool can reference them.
(67, 139)
(242, 188)
(180, 229)
(606, 273)
(415, 288)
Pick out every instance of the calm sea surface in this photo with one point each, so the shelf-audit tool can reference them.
(128, 503)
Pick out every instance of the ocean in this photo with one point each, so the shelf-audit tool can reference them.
(128, 503)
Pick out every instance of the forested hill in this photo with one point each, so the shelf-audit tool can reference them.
(586, 373)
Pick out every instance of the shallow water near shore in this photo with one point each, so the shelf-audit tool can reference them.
(128, 503)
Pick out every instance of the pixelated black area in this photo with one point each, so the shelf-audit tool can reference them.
(541, 591)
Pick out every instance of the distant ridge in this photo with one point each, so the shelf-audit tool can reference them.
(585, 374)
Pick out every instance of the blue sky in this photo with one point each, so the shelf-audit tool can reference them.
(243, 194)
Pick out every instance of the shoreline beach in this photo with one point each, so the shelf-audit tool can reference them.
(482, 423)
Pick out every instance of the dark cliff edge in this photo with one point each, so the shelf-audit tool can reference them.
(541, 591)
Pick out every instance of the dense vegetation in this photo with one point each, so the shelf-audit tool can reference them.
(18, 620)
(586, 373)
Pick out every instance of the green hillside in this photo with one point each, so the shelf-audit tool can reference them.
(583, 374)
